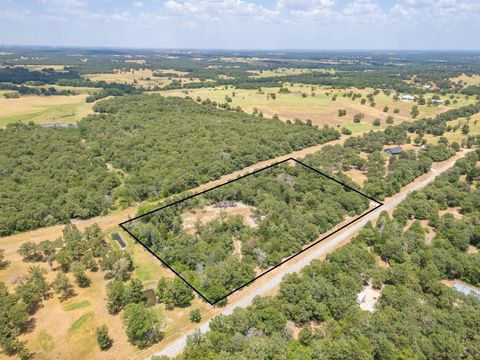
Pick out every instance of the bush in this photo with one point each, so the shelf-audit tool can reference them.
(104, 341)
(195, 316)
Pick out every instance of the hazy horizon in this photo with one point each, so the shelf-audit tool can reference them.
(415, 25)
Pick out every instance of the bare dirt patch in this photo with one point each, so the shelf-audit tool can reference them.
(370, 297)
(472, 250)
(455, 211)
(213, 212)
(357, 175)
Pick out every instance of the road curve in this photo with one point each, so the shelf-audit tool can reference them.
(321, 249)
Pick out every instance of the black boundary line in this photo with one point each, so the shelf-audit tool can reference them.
(275, 266)
(205, 191)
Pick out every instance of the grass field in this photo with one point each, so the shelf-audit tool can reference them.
(72, 336)
(142, 77)
(44, 109)
(300, 104)
(469, 80)
(473, 123)
(285, 71)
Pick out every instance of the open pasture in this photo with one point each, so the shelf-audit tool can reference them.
(73, 336)
(142, 77)
(309, 102)
(44, 109)
(469, 80)
(286, 71)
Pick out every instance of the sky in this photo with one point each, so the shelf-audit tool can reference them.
(243, 24)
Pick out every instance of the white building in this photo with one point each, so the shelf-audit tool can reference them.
(466, 289)
(407, 98)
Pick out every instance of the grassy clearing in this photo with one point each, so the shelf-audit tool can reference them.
(77, 305)
(307, 102)
(286, 71)
(473, 123)
(143, 77)
(469, 80)
(45, 341)
(44, 109)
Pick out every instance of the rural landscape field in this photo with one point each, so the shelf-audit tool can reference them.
(188, 202)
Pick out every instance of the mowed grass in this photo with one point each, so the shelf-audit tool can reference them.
(314, 103)
(44, 109)
(81, 321)
(77, 305)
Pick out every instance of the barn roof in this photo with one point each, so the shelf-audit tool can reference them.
(393, 151)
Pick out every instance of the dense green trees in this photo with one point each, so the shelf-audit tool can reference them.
(49, 177)
(293, 204)
(142, 325)
(153, 147)
(416, 317)
(13, 321)
(119, 295)
(174, 292)
(104, 341)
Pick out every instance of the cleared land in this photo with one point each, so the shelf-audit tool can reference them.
(469, 80)
(44, 109)
(306, 102)
(143, 77)
(286, 71)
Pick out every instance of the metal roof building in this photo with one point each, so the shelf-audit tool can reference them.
(466, 289)
(393, 151)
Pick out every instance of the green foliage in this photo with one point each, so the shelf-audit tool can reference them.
(174, 292)
(104, 341)
(62, 286)
(34, 288)
(293, 205)
(148, 159)
(195, 316)
(119, 295)
(144, 146)
(142, 325)
(13, 321)
(34, 159)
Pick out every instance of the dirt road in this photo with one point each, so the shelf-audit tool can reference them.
(11, 243)
(262, 287)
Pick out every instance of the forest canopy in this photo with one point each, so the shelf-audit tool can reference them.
(289, 206)
(161, 147)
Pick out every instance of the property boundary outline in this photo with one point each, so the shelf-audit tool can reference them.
(122, 225)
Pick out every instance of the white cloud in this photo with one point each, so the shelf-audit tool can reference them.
(65, 3)
(137, 4)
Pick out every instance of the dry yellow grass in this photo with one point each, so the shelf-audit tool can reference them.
(301, 104)
(469, 80)
(286, 71)
(44, 109)
(141, 77)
